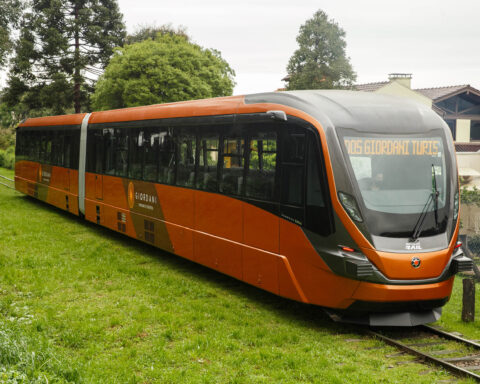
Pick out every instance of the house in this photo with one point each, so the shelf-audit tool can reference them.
(458, 105)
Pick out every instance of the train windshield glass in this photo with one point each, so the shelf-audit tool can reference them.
(398, 176)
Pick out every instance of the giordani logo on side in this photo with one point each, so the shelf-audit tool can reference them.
(131, 195)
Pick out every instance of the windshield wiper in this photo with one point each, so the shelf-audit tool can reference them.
(432, 197)
(435, 195)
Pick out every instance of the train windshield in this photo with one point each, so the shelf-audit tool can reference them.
(398, 178)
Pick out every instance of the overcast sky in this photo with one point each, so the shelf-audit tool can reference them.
(436, 40)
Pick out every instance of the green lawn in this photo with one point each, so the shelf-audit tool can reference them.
(79, 303)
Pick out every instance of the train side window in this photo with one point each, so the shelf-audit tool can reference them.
(67, 148)
(166, 156)
(99, 151)
(75, 151)
(33, 147)
(121, 152)
(42, 140)
(262, 165)
(293, 174)
(90, 166)
(135, 151)
(317, 217)
(109, 141)
(233, 162)
(293, 168)
(186, 146)
(208, 143)
(18, 145)
(47, 154)
(151, 140)
(37, 150)
(57, 148)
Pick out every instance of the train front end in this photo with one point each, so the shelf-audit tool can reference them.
(397, 207)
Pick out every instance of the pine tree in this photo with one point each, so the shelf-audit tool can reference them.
(9, 15)
(320, 61)
(63, 46)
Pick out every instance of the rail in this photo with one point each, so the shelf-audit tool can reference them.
(6, 185)
(453, 364)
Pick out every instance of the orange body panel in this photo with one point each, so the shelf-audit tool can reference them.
(53, 185)
(219, 216)
(217, 106)
(217, 253)
(261, 229)
(397, 265)
(54, 120)
(388, 293)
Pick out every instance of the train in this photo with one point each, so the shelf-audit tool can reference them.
(340, 199)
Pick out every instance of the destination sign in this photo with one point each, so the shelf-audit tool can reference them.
(393, 146)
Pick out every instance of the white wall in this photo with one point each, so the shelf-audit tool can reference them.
(463, 131)
(397, 89)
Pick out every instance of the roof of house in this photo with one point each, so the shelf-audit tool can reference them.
(371, 87)
(467, 147)
(440, 92)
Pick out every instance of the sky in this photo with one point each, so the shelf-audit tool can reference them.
(436, 40)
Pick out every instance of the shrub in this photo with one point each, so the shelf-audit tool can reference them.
(7, 157)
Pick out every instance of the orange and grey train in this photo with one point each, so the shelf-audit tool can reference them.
(339, 199)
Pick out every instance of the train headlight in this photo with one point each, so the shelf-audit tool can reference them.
(455, 207)
(350, 206)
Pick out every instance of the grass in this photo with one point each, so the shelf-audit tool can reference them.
(82, 304)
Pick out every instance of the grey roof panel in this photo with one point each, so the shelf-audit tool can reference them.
(364, 111)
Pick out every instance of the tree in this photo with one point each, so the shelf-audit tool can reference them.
(61, 44)
(166, 69)
(320, 61)
(151, 32)
(9, 16)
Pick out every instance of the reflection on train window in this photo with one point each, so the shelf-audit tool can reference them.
(58, 147)
(121, 153)
(166, 157)
(397, 175)
(233, 164)
(150, 143)
(109, 141)
(262, 164)
(186, 144)
(135, 152)
(208, 161)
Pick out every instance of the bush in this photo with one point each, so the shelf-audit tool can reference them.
(7, 157)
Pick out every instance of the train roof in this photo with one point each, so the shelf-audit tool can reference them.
(363, 111)
(332, 108)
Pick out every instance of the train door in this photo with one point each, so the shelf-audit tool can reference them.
(293, 174)
(99, 187)
(304, 187)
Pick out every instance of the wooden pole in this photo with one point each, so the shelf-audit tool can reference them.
(468, 308)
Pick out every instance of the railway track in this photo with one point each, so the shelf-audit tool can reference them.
(434, 346)
(8, 180)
